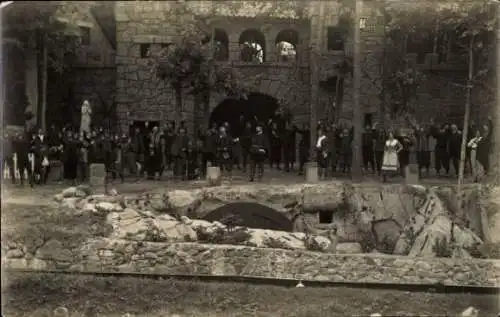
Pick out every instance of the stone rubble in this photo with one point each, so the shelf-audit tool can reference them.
(415, 234)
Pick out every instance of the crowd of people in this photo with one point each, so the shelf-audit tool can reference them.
(387, 152)
(149, 151)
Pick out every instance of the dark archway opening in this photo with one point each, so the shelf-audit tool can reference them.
(257, 108)
(252, 215)
(221, 45)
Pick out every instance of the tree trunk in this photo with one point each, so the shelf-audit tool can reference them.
(466, 119)
(356, 172)
(43, 112)
(315, 87)
(382, 97)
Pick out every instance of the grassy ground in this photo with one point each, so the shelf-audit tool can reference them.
(37, 295)
(32, 226)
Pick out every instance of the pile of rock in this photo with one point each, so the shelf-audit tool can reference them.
(173, 217)
(148, 225)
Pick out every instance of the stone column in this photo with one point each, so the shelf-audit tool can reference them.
(412, 171)
(270, 52)
(234, 49)
(317, 24)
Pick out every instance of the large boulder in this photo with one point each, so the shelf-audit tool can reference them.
(76, 191)
(106, 207)
(330, 196)
(277, 239)
(349, 248)
(426, 243)
(177, 202)
(490, 213)
(133, 225)
(387, 233)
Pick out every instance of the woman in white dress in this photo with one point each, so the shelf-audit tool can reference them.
(390, 163)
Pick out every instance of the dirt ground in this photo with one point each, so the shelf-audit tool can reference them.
(26, 295)
(43, 194)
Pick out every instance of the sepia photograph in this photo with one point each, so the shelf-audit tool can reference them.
(283, 158)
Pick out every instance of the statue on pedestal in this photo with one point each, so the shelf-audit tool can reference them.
(86, 118)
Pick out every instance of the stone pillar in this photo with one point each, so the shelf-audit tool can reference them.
(97, 175)
(270, 52)
(317, 24)
(233, 47)
(312, 172)
(411, 171)
(214, 176)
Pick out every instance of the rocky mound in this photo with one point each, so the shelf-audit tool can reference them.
(406, 220)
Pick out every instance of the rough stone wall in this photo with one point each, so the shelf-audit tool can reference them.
(122, 256)
(146, 98)
(439, 92)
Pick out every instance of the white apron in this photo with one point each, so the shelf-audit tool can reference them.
(390, 162)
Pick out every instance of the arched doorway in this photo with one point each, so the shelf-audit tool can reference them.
(253, 46)
(286, 45)
(251, 215)
(257, 105)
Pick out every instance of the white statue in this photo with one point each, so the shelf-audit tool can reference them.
(86, 117)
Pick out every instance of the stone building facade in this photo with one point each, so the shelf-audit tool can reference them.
(297, 85)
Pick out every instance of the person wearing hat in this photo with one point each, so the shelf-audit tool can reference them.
(259, 150)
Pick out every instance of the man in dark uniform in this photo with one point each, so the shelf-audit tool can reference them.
(208, 151)
(168, 134)
(258, 152)
(180, 150)
(246, 142)
(288, 140)
(454, 146)
(136, 150)
(275, 140)
(367, 149)
(224, 151)
(304, 146)
(41, 151)
(441, 149)
(332, 137)
(380, 139)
